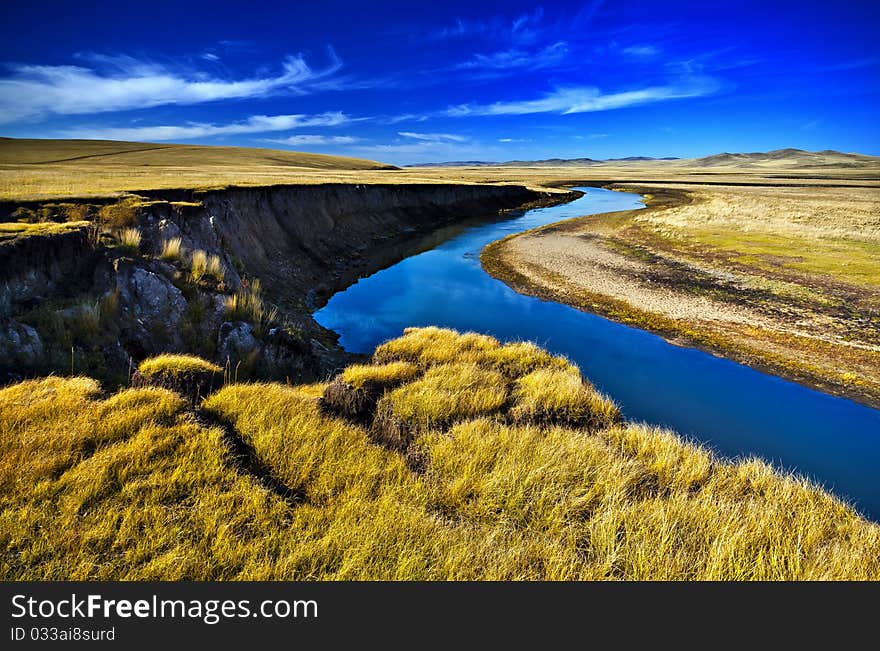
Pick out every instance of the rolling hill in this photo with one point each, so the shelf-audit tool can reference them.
(55, 169)
(794, 158)
(15, 151)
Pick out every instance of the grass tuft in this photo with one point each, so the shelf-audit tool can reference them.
(433, 345)
(204, 265)
(554, 397)
(173, 250)
(130, 240)
(188, 375)
(247, 305)
(355, 392)
(445, 394)
(176, 365)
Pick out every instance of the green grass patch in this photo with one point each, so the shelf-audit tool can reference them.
(848, 260)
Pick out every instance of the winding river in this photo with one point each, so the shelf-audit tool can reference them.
(733, 409)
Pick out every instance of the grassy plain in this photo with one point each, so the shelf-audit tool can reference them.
(38, 170)
(48, 169)
(266, 481)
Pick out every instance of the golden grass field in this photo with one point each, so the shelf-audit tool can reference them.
(36, 170)
(47, 169)
(451, 456)
(510, 466)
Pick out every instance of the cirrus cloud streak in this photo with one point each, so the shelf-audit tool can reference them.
(38, 91)
(253, 124)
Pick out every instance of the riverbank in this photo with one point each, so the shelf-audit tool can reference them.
(232, 275)
(783, 279)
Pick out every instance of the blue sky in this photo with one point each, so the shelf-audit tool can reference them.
(410, 82)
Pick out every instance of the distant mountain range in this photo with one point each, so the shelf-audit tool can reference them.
(778, 158)
(547, 162)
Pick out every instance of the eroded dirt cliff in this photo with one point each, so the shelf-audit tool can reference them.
(89, 300)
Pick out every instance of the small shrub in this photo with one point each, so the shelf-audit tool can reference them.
(118, 215)
(76, 212)
(130, 240)
(173, 250)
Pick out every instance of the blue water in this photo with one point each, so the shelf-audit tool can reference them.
(735, 410)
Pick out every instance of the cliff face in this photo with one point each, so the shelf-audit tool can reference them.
(34, 267)
(66, 295)
(315, 240)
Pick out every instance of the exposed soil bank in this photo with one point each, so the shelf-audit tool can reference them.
(82, 303)
(813, 329)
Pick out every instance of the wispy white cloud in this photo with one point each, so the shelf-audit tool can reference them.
(854, 64)
(641, 51)
(586, 99)
(311, 139)
(459, 29)
(37, 91)
(405, 152)
(516, 58)
(208, 56)
(404, 117)
(523, 29)
(254, 124)
(433, 137)
(527, 27)
(506, 140)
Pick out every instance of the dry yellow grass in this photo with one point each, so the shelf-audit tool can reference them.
(57, 169)
(247, 304)
(173, 250)
(187, 375)
(448, 392)
(82, 168)
(560, 396)
(360, 375)
(176, 365)
(204, 265)
(134, 487)
(130, 239)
